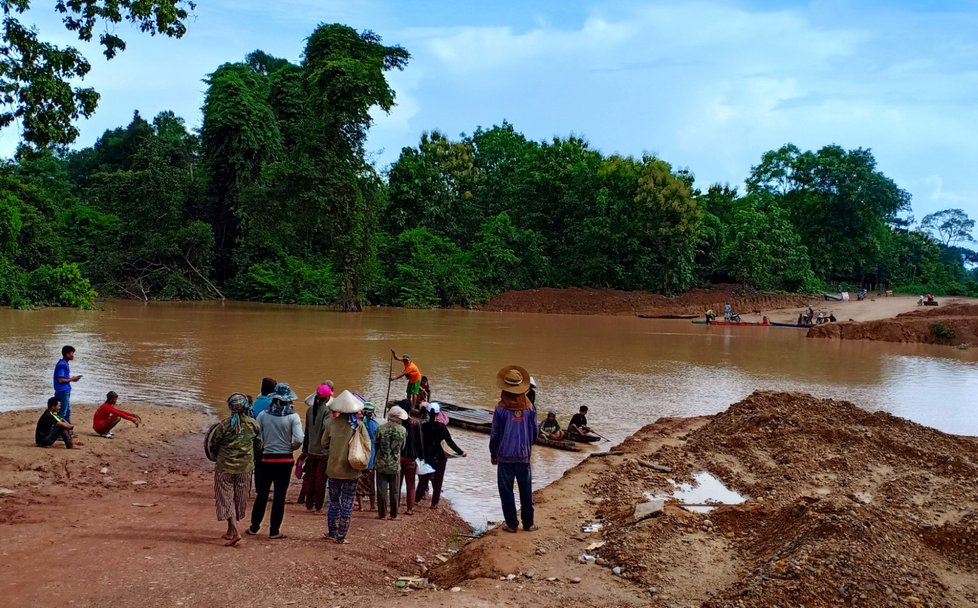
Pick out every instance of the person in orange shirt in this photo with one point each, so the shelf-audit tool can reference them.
(413, 376)
(108, 415)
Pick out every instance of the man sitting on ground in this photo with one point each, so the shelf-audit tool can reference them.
(51, 427)
(107, 416)
(578, 423)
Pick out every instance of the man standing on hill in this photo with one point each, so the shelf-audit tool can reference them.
(413, 376)
(63, 380)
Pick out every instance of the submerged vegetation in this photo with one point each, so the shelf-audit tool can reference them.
(273, 200)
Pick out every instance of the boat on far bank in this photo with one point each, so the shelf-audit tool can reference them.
(733, 323)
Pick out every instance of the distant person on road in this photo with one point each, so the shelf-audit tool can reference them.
(514, 429)
(389, 442)
(51, 427)
(107, 416)
(413, 377)
(281, 433)
(63, 380)
(314, 478)
(234, 442)
(578, 422)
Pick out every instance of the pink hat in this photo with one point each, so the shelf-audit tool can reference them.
(324, 390)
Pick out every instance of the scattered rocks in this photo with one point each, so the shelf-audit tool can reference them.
(651, 508)
(576, 580)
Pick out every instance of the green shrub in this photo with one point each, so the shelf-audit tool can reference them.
(942, 331)
(289, 280)
(62, 285)
(12, 285)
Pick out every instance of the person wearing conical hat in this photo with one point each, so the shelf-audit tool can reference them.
(514, 429)
(341, 480)
(234, 442)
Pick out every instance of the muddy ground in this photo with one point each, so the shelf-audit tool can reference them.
(958, 324)
(843, 508)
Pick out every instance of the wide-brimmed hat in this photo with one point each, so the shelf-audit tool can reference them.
(397, 412)
(283, 392)
(513, 379)
(346, 403)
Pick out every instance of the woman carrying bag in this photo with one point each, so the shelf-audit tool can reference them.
(343, 426)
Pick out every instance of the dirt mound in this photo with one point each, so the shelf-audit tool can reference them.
(843, 507)
(953, 324)
(582, 301)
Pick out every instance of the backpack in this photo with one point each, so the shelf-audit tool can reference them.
(359, 446)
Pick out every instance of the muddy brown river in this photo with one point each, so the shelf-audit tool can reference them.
(629, 371)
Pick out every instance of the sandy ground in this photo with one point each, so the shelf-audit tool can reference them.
(144, 532)
(870, 309)
(958, 321)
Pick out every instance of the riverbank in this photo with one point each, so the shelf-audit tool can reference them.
(843, 506)
(953, 323)
(130, 521)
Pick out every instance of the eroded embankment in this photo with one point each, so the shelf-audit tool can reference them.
(843, 506)
(695, 302)
(953, 324)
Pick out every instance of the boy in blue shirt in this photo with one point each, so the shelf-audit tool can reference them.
(63, 380)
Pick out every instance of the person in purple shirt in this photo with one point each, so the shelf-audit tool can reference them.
(63, 380)
(514, 428)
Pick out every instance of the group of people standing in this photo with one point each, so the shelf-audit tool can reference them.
(261, 437)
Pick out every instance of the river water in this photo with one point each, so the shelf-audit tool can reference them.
(629, 371)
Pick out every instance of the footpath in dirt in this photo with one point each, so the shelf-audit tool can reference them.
(693, 303)
(955, 323)
(130, 522)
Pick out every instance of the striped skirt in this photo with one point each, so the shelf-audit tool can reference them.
(231, 494)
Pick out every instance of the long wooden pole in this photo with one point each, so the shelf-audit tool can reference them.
(387, 399)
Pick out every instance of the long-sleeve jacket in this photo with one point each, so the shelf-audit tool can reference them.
(513, 434)
(432, 434)
(336, 442)
(413, 447)
(280, 435)
(316, 418)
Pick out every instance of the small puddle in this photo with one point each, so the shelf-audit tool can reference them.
(705, 488)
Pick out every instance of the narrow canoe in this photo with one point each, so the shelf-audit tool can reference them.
(480, 421)
(773, 324)
(732, 324)
(579, 438)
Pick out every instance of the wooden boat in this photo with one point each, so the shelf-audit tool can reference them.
(802, 326)
(480, 420)
(732, 324)
(666, 316)
(579, 438)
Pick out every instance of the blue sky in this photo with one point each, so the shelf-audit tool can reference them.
(708, 85)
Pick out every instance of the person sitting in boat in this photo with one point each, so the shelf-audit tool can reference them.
(821, 318)
(710, 316)
(550, 429)
(578, 423)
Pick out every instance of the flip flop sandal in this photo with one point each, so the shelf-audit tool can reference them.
(250, 533)
(278, 537)
(512, 530)
(233, 542)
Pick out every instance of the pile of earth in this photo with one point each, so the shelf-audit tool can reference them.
(695, 302)
(954, 324)
(845, 507)
(842, 507)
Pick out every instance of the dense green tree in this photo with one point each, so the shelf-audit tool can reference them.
(949, 227)
(38, 79)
